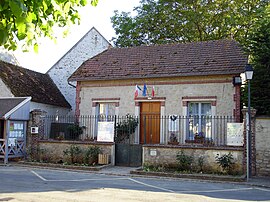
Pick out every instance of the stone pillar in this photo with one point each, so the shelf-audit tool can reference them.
(137, 115)
(253, 136)
(36, 120)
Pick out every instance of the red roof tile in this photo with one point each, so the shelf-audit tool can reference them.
(184, 59)
(24, 82)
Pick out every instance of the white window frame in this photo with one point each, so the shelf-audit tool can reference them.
(197, 99)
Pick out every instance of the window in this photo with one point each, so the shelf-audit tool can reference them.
(106, 112)
(199, 120)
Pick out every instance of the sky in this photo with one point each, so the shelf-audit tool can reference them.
(99, 17)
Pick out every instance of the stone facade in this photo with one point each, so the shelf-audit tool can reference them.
(262, 146)
(252, 141)
(4, 90)
(50, 109)
(218, 90)
(166, 155)
(90, 45)
(53, 150)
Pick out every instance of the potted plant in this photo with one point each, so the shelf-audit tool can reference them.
(173, 139)
(199, 136)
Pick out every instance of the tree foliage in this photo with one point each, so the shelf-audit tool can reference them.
(166, 21)
(26, 20)
(258, 47)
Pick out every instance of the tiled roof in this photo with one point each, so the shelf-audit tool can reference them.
(217, 57)
(24, 82)
(7, 104)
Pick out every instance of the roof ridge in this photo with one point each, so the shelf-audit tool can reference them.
(177, 43)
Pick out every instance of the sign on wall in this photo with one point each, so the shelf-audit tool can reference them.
(105, 131)
(235, 134)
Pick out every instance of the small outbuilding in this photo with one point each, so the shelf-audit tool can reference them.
(14, 114)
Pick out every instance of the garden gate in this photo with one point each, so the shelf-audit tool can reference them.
(127, 152)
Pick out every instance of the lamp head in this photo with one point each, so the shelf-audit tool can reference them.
(248, 72)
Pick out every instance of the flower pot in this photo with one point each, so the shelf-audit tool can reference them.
(173, 143)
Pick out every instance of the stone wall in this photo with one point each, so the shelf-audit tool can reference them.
(262, 146)
(166, 155)
(171, 89)
(90, 45)
(50, 109)
(4, 91)
(53, 150)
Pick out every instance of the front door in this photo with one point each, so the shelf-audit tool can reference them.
(150, 123)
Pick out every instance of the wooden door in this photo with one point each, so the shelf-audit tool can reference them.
(150, 122)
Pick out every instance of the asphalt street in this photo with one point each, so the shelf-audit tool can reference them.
(32, 184)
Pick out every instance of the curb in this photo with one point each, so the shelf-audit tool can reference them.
(59, 166)
(192, 176)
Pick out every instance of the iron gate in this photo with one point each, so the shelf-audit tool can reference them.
(127, 154)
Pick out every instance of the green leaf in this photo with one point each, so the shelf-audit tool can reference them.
(36, 48)
(67, 7)
(83, 2)
(45, 6)
(94, 2)
(3, 37)
(29, 19)
(17, 7)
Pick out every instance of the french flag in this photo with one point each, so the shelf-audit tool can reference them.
(137, 88)
(153, 91)
(144, 90)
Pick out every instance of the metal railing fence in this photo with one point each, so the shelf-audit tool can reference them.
(173, 128)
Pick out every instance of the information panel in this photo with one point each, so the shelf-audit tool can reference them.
(235, 134)
(105, 131)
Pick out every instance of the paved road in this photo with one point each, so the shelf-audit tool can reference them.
(31, 184)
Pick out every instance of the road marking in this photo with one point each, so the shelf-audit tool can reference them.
(148, 185)
(263, 189)
(217, 190)
(82, 180)
(12, 170)
(77, 180)
(39, 176)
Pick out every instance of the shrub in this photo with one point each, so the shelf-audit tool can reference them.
(225, 162)
(75, 130)
(91, 155)
(201, 163)
(184, 161)
(125, 128)
(73, 152)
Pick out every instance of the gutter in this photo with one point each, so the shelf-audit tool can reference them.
(71, 84)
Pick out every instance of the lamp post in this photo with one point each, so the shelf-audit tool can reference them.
(249, 74)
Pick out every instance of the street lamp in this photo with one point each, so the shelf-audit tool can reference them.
(249, 74)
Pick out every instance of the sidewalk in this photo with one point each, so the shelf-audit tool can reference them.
(259, 181)
(125, 171)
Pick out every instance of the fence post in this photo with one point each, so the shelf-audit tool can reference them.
(32, 139)
(253, 146)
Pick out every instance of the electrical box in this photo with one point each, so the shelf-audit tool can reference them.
(34, 130)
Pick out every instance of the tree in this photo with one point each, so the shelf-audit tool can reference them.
(26, 20)
(258, 47)
(166, 21)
